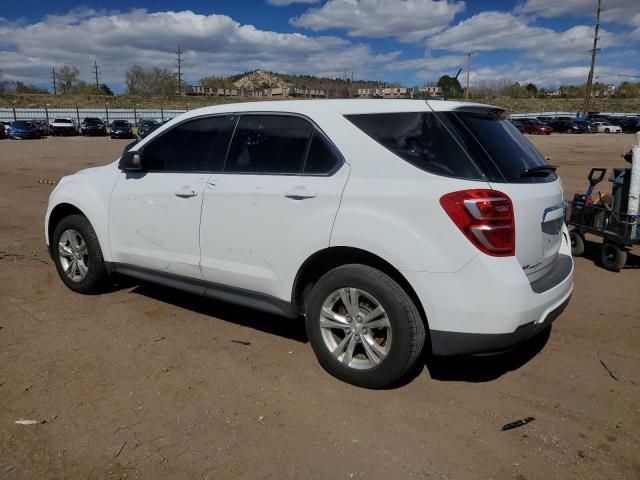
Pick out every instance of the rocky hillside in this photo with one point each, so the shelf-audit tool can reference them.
(258, 79)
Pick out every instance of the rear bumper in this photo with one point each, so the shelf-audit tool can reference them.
(457, 343)
(490, 305)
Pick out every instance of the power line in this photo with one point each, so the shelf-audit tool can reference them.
(179, 67)
(594, 50)
(96, 70)
(53, 77)
(468, 54)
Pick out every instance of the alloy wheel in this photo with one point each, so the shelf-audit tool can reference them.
(355, 328)
(74, 255)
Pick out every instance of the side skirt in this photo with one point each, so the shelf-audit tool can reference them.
(237, 296)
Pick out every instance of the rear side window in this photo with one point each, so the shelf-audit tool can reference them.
(194, 146)
(457, 144)
(420, 138)
(275, 144)
(497, 144)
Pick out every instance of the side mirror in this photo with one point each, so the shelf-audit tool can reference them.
(130, 162)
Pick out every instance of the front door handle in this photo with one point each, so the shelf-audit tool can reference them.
(299, 193)
(185, 191)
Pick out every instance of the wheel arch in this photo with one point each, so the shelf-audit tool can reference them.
(59, 212)
(329, 258)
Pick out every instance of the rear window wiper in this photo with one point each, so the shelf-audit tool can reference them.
(539, 171)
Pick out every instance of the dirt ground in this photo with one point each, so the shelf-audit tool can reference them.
(144, 382)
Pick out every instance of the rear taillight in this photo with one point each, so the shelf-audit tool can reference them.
(486, 219)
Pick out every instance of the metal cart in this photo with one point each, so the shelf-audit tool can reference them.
(618, 230)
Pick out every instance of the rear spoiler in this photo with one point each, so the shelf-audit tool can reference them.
(492, 111)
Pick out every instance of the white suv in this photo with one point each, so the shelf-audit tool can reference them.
(384, 223)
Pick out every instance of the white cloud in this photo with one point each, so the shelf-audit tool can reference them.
(550, 76)
(406, 20)
(213, 45)
(620, 11)
(284, 3)
(492, 31)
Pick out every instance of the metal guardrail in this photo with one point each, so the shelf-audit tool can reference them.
(77, 114)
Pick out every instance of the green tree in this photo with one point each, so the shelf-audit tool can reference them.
(450, 86)
(22, 87)
(104, 88)
(532, 89)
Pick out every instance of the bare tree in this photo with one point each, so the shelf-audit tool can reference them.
(67, 78)
(4, 84)
(153, 81)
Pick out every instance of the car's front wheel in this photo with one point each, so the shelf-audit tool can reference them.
(77, 254)
(363, 327)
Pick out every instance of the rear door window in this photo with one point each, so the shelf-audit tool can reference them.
(269, 144)
(322, 157)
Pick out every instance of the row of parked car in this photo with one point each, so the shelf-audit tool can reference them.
(25, 129)
(544, 125)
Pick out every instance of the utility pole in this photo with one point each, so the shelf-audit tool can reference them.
(587, 97)
(468, 54)
(179, 66)
(95, 69)
(53, 77)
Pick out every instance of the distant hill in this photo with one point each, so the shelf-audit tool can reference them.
(260, 79)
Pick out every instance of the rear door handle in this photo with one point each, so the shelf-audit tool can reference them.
(299, 194)
(185, 191)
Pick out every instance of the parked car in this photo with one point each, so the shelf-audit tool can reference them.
(627, 124)
(121, 129)
(535, 127)
(23, 129)
(605, 127)
(518, 124)
(567, 126)
(43, 126)
(386, 225)
(63, 126)
(3, 131)
(93, 126)
(145, 124)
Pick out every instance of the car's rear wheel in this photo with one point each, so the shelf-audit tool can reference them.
(363, 327)
(613, 257)
(606, 130)
(77, 254)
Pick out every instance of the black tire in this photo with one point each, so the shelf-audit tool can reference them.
(407, 326)
(612, 257)
(606, 130)
(577, 243)
(96, 274)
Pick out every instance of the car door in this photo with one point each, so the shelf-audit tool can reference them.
(272, 206)
(154, 215)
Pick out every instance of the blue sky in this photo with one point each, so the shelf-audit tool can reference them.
(409, 41)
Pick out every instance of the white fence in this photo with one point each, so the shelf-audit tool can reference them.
(107, 114)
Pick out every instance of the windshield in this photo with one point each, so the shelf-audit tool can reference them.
(92, 121)
(120, 123)
(62, 120)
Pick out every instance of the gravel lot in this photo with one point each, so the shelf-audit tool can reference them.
(145, 382)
